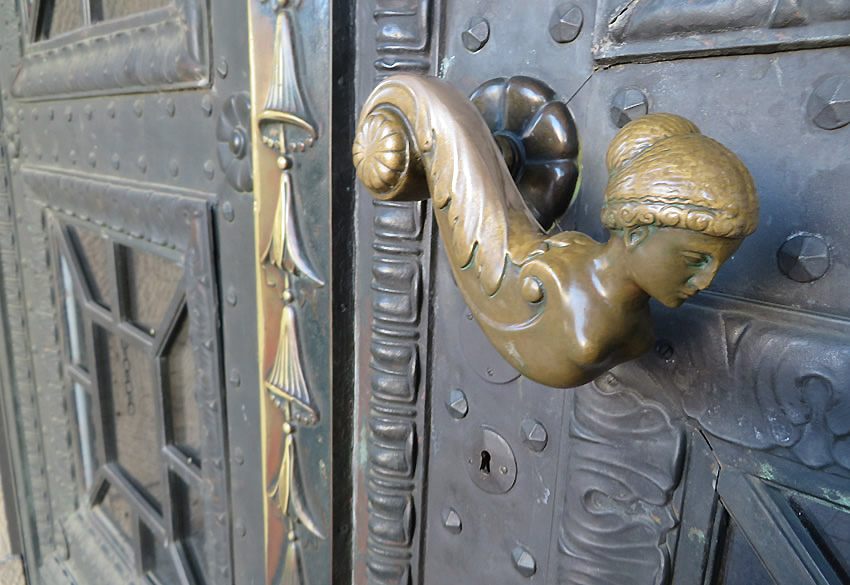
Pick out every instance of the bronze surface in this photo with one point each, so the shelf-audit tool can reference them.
(560, 308)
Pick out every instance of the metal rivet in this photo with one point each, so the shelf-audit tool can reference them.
(72, 156)
(238, 456)
(239, 527)
(116, 161)
(206, 105)
(92, 159)
(139, 108)
(566, 23)
(235, 379)
(829, 104)
(50, 113)
(174, 167)
(663, 349)
(231, 296)
(628, 104)
(110, 109)
(69, 114)
(209, 169)
(227, 211)
(524, 562)
(88, 111)
(804, 257)
(476, 35)
(34, 114)
(456, 404)
(142, 163)
(534, 434)
(169, 107)
(451, 520)
(21, 115)
(221, 68)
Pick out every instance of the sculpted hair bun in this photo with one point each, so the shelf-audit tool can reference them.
(662, 171)
(643, 133)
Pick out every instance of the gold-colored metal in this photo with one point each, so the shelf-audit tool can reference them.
(560, 308)
(282, 127)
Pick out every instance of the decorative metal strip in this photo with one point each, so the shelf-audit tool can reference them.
(287, 280)
(26, 407)
(202, 303)
(169, 52)
(126, 207)
(398, 332)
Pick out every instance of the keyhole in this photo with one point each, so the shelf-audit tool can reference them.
(485, 462)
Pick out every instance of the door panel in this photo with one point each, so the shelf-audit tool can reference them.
(120, 219)
(691, 464)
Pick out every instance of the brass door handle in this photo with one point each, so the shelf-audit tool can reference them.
(560, 308)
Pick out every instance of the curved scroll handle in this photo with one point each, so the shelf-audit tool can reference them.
(561, 309)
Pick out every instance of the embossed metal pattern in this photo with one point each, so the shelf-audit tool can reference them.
(631, 31)
(295, 396)
(167, 48)
(396, 278)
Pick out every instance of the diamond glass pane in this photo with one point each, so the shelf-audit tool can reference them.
(150, 282)
(159, 561)
(118, 509)
(128, 387)
(75, 339)
(740, 565)
(59, 16)
(85, 433)
(189, 512)
(92, 249)
(182, 402)
(829, 527)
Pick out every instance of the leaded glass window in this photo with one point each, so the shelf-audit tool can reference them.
(132, 381)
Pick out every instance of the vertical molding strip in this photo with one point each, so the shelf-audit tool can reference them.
(288, 145)
(396, 422)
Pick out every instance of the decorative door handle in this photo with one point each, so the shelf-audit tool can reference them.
(560, 308)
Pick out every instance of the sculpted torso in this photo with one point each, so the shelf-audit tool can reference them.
(560, 308)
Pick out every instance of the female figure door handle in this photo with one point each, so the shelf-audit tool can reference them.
(560, 308)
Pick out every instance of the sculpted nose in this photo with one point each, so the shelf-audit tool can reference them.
(703, 278)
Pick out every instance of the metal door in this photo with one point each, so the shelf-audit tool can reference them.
(718, 458)
(167, 382)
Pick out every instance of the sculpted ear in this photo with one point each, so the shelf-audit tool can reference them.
(635, 236)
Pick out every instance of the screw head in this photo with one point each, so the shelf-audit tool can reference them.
(456, 404)
(534, 434)
(227, 211)
(565, 23)
(829, 104)
(209, 169)
(628, 104)
(804, 257)
(221, 68)
(523, 562)
(235, 378)
(451, 520)
(231, 296)
(476, 35)
(238, 143)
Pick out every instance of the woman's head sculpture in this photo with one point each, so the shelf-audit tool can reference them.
(561, 308)
(665, 173)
